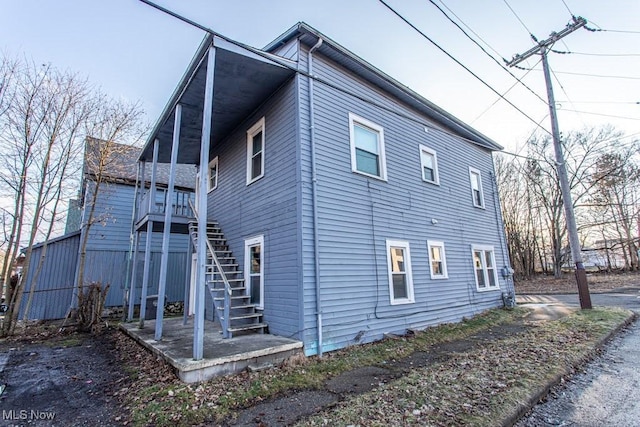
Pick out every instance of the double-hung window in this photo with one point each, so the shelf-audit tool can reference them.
(484, 264)
(399, 269)
(367, 147)
(255, 152)
(476, 188)
(437, 260)
(429, 163)
(213, 174)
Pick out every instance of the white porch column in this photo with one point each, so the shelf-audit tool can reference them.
(166, 232)
(139, 192)
(147, 246)
(198, 324)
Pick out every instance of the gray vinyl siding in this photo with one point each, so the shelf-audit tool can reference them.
(266, 207)
(108, 248)
(288, 50)
(54, 285)
(358, 214)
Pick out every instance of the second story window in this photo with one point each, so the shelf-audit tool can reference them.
(429, 163)
(476, 188)
(255, 152)
(213, 174)
(367, 147)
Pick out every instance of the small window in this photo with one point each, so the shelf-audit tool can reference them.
(213, 174)
(476, 188)
(367, 147)
(429, 163)
(255, 152)
(484, 264)
(399, 268)
(437, 260)
(254, 269)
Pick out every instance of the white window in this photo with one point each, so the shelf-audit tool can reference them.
(213, 174)
(437, 260)
(255, 152)
(254, 269)
(484, 264)
(476, 188)
(429, 163)
(367, 147)
(399, 268)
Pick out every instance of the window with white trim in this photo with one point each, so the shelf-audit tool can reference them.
(255, 152)
(429, 163)
(476, 187)
(254, 269)
(399, 269)
(367, 147)
(437, 259)
(484, 265)
(212, 182)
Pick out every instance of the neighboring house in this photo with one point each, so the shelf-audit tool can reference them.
(351, 206)
(109, 242)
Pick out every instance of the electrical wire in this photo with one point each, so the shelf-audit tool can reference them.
(457, 61)
(567, 6)
(601, 114)
(503, 94)
(521, 22)
(569, 52)
(597, 75)
(519, 80)
(471, 29)
(600, 29)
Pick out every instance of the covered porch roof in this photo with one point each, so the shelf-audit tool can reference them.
(244, 78)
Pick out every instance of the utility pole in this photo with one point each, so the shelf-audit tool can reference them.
(542, 48)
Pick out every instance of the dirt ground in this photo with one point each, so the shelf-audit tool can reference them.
(82, 380)
(598, 283)
(61, 380)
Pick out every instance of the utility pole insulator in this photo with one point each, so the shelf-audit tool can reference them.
(572, 230)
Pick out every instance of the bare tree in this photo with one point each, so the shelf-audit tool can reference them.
(113, 122)
(45, 121)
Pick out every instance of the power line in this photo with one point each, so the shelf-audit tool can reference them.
(458, 62)
(504, 94)
(569, 10)
(569, 52)
(520, 20)
(519, 80)
(597, 75)
(471, 29)
(600, 29)
(601, 114)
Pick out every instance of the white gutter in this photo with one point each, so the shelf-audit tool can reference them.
(314, 197)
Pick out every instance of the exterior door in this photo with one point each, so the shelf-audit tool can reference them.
(254, 269)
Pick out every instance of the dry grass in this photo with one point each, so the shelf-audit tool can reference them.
(478, 387)
(598, 282)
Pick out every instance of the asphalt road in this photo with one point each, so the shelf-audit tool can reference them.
(607, 391)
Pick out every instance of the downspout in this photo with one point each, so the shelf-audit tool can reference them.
(314, 196)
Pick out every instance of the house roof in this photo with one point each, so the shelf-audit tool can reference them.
(339, 54)
(245, 76)
(120, 165)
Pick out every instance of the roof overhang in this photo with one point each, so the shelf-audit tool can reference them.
(244, 78)
(338, 54)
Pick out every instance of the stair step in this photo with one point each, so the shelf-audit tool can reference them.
(233, 297)
(238, 307)
(241, 328)
(244, 316)
(222, 281)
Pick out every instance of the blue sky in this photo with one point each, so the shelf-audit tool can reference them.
(136, 52)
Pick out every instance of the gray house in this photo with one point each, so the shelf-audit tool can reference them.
(338, 204)
(109, 241)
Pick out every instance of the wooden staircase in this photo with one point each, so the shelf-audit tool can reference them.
(232, 303)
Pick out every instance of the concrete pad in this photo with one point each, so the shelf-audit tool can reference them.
(221, 356)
